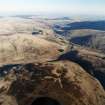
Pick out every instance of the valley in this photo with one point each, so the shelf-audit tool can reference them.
(58, 58)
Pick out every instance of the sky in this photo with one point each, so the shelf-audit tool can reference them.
(90, 7)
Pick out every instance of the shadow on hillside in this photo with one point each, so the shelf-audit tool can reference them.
(73, 56)
(7, 68)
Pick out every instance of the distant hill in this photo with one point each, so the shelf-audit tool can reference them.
(96, 25)
(86, 33)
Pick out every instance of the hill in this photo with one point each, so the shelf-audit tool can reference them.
(63, 81)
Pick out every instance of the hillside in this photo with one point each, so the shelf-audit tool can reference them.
(92, 61)
(26, 48)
